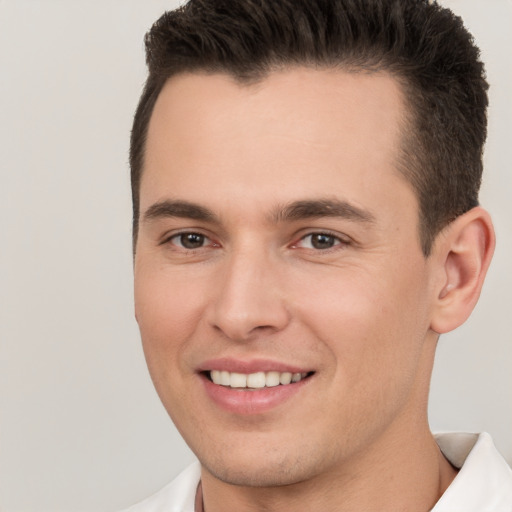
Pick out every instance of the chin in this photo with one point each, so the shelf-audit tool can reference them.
(269, 470)
(264, 476)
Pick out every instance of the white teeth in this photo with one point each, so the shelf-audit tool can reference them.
(215, 376)
(225, 378)
(285, 378)
(272, 379)
(238, 380)
(256, 380)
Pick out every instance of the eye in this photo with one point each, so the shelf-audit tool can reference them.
(190, 241)
(319, 241)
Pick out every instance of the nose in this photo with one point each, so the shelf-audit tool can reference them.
(249, 299)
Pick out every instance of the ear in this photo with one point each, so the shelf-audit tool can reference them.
(462, 253)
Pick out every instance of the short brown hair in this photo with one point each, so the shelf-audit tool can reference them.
(423, 45)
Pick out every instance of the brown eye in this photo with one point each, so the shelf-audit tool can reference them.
(323, 241)
(189, 240)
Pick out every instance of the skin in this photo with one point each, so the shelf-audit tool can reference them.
(364, 315)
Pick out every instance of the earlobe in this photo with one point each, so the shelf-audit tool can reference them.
(463, 254)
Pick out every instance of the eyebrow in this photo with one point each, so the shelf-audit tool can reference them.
(179, 209)
(311, 209)
(297, 210)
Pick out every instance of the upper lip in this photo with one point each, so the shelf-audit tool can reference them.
(250, 366)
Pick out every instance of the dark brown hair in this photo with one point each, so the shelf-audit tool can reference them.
(423, 45)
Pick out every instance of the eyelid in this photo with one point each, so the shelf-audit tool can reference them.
(341, 239)
(167, 238)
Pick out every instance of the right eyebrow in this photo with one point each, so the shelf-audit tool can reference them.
(180, 209)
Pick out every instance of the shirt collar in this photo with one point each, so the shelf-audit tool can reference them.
(484, 482)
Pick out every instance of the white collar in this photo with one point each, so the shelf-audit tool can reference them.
(484, 482)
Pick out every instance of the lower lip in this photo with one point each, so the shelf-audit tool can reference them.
(248, 401)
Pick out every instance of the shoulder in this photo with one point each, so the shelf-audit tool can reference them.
(177, 496)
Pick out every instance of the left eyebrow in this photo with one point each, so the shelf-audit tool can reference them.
(310, 209)
(178, 209)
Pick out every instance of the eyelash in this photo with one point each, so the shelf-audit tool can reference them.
(337, 241)
(180, 236)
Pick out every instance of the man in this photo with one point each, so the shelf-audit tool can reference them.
(306, 224)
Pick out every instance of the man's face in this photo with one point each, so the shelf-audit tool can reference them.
(277, 240)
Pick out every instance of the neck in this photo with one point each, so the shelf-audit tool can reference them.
(401, 474)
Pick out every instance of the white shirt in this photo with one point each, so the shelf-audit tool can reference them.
(483, 484)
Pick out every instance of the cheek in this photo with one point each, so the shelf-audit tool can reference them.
(374, 345)
(167, 312)
(370, 321)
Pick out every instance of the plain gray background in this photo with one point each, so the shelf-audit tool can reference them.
(81, 428)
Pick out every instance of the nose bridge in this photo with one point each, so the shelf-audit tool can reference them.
(249, 297)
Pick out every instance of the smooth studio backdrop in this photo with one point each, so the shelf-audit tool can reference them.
(81, 428)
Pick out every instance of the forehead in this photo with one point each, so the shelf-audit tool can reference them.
(296, 129)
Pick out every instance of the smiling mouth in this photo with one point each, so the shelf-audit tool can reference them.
(258, 380)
